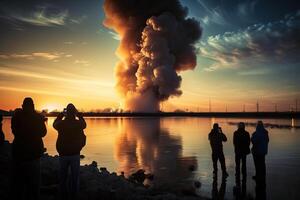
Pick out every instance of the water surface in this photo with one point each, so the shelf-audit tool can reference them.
(167, 147)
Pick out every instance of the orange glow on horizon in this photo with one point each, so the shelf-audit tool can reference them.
(52, 107)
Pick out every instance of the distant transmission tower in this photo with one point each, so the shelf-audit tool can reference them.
(257, 106)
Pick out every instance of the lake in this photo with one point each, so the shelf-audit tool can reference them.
(167, 147)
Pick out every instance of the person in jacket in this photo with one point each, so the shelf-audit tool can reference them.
(241, 142)
(216, 138)
(28, 128)
(70, 141)
(260, 140)
(2, 138)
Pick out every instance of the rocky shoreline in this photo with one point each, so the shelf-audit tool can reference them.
(95, 182)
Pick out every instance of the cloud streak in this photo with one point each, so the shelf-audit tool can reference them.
(19, 73)
(44, 18)
(34, 55)
(260, 43)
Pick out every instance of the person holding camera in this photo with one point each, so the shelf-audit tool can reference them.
(216, 138)
(71, 139)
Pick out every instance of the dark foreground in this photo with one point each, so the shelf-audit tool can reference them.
(94, 183)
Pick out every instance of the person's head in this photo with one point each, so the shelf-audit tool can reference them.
(260, 125)
(28, 105)
(241, 125)
(71, 110)
(216, 126)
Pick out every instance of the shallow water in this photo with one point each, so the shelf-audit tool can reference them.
(167, 147)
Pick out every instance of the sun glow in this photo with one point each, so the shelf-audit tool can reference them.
(52, 107)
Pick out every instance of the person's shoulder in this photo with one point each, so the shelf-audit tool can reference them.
(18, 111)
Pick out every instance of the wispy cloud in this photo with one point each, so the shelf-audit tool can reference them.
(34, 91)
(78, 20)
(28, 74)
(69, 42)
(31, 56)
(214, 15)
(260, 43)
(82, 62)
(114, 35)
(43, 18)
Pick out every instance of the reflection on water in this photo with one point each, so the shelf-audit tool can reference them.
(144, 144)
(167, 147)
(216, 193)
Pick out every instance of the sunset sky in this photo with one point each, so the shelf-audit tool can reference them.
(59, 52)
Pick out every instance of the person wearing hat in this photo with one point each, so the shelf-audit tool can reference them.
(70, 141)
(28, 128)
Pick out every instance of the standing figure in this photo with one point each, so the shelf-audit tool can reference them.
(70, 141)
(2, 138)
(241, 142)
(28, 128)
(216, 138)
(260, 140)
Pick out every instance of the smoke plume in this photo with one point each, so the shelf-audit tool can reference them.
(157, 42)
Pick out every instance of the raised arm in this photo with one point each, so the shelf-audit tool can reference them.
(15, 129)
(57, 121)
(81, 120)
(224, 138)
(42, 130)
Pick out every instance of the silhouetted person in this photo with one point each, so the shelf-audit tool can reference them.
(218, 194)
(260, 140)
(70, 141)
(216, 138)
(241, 141)
(28, 128)
(2, 138)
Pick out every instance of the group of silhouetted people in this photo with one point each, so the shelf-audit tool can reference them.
(241, 142)
(28, 128)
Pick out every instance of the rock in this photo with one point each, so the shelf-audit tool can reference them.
(94, 164)
(139, 176)
(103, 169)
(197, 184)
(192, 168)
(94, 183)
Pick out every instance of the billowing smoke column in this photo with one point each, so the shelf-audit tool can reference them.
(157, 42)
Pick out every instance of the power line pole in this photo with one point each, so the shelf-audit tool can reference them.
(244, 108)
(257, 106)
